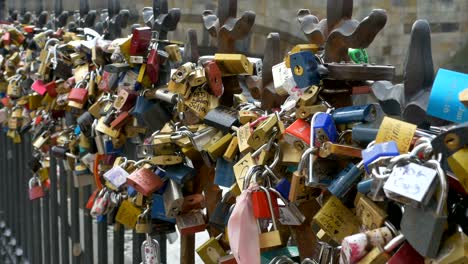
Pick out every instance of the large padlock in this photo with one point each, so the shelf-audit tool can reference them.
(141, 38)
(36, 191)
(117, 176)
(145, 181)
(423, 227)
(215, 82)
(304, 67)
(152, 65)
(180, 173)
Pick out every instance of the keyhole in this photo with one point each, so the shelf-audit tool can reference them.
(298, 70)
(452, 141)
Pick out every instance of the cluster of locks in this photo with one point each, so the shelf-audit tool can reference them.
(277, 171)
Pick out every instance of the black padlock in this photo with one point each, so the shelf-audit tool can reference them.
(222, 118)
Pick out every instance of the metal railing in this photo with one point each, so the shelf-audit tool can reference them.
(56, 228)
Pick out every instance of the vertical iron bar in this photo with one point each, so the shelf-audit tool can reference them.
(88, 227)
(137, 241)
(64, 227)
(53, 219)
(23, 198)
(75, 224)
(2, 176)
(162, 239)
(46, 226)
(119, 231)
(102, 242)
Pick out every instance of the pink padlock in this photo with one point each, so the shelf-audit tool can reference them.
(39, 87)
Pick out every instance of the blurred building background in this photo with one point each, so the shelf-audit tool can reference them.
(448, 20)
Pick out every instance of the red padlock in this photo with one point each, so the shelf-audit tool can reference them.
(406, 254)
(90, 203)
(108, 81)
(145, 181)
(122, 119)
(6, 38)
(79, 95)
(298, 131)
(35, 189)
(125, 100)
(261, 206)
(141, 39)
(191, 223)
(51, 89)
(152, 65)
(39, 87)
(215, 83)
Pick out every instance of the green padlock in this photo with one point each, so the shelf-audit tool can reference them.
(358, 55)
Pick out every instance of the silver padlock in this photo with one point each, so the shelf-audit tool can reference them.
(150, 253)
(173, 199)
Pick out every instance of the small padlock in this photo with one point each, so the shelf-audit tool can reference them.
(214, 80)
(150, 253)
(143, 224)
(152, 65)
(127, 214)
(261, 204)
(224, 173)
(117, 176)
(355, 114)
(273, 237)
(289, 213)
(36, 191)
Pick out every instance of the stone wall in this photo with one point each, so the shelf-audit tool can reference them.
(448, 19)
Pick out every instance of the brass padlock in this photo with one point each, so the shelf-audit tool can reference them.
(211, 250)
(197, 77)
(336, 220)
(371, 215)
(233, 64)
(273, 237)
(174, 53)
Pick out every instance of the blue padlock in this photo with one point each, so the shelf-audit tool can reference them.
(179, 173)
(345, 180)
(224, 173)
(157, 209)
(101, 219)
(324, 128)
(363, 135)
(131, 191)
(304, 67)
(379, 150)
(109, 148)
(355, 114)
(141, 105)
(283, 187)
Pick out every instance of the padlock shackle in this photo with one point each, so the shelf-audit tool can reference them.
(270, 206)
(394, 243)
(34, 180)
(443, 194)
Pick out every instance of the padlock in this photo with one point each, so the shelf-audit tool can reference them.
(453, 250)
(152, 65)
(264, 132)
(78, 94)
(173, 199)
(36, 191)
(355, 247)
(289, 213)
(157, 209)
(191, 223)
(180, 173)
(336, 220)
(298, 134)
(214, 80)
(117, 176)
(379, 151)
(150, 252)
(273, 237)
(143, 224)
(108, 81)
(174, 53)
(224, 173)
(145, 181)
(400, 132)
(39, 87)
(355, 114)
(359, 56)
(193, 202)
(232, 149)
(407, 254)
(283, 79)
(141, 38)
(345, 180)
(459, 166)
(371, 215)
(411, 184)
(260, 204)
(219, 216)
(233, 64)
(41, 140)
(211, 251)
(125, 100)
(127, 214)
(304, 68)
(324, 128)
(380, 255)
(427, 241)
(222, 118)
(105, 129)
